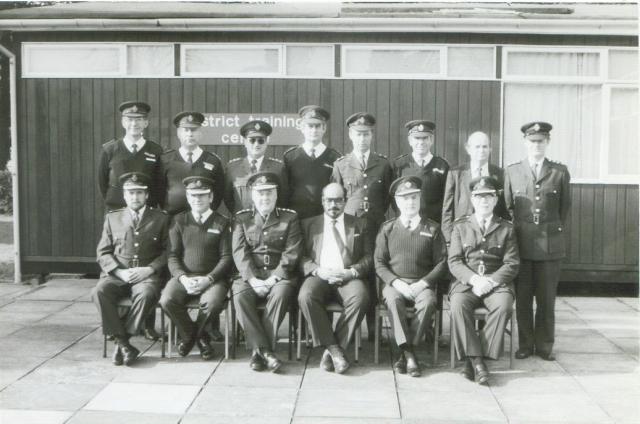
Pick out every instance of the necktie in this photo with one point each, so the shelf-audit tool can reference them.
(134, 148)
(535, 170)
(136, 219)
(407, 225)
(339, 242)
(199, 219)
(483, 225)
(190, 157)
(313, 154)
(254, 168)
(478, 172)
(363, 163)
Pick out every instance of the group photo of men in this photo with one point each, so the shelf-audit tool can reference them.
(317, 227)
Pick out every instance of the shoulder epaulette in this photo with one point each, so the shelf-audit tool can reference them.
(557, 162)
(116, 210)
(110, 142)
(462, 218)
(341, 157)
(221, 215)
(388, 221)
(151, 208)
(401, 156)
(287, 210)
(290, 149)
(275, 160)
(506, 221)
(380, 155)
(444, 160)
(166, 152)
(515, 163)
(214, 154)
(235, 160)
(243, 211)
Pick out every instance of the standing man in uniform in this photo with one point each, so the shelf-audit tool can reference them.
(336, 261)
(266, 245)
(483, 258)
(538, 196)
(410, 258)
(190, 159)
(432, 170)
(200, 262)
(131, 153)
(457, 199)
(132, 254)
(366, 177)
(255, 136)
(308, 167)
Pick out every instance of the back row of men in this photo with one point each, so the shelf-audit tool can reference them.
(536, 194)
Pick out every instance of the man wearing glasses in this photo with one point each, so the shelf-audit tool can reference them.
(255, 136)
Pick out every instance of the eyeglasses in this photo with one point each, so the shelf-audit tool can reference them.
(338, 200)
(253, 140)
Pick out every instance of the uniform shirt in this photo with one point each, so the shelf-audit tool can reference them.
(410, 223)
(202, 217)
(539, 207)
(139, 213)
(483, 172)
(433, 176)
(318, 149)
(264, 247)
(129, 143)
(175, 168)
(201, 248)
(307, 177)
(367, 190)
(422, 161)
(195, 154)
(331, 257)
(237, 196)
(116, 159)
(492, 253)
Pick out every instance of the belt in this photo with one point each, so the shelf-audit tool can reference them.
(365, 205)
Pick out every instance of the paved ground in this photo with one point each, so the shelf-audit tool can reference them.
(51, 371)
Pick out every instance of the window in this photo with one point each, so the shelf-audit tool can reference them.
(95, 60)
(620, 160)
(550, 64)
(471, 62)
(623, 65)
(310, 61)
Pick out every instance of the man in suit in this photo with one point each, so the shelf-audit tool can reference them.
(337, 258)
(308, 167)
(132, 254)
(431, 169)
(366, 177)
(538, 196)
(266, 244)
(255, 137)
(200, 262)
(483, 258)
(410, 259)
(457, 199)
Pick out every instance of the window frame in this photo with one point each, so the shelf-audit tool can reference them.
(333, 61)
(184, 47)
(619, 81)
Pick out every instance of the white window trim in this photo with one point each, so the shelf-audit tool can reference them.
(173, 59)
(493, 47)
(614, 81)
(231, 46)
(296, 76)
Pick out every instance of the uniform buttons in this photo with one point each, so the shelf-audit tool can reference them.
(482, 252)
(364, 175)
(537, 185)
(537, 197)
(265, 267)
(136, 233)
(136, 244)
(484, 239)
(135, 256)
(537, 210)
(365, 186)
(366, 198)
(265, 233)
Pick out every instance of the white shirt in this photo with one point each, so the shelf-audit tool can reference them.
(362, 157)
(412, 223)
(317, 150)
(140, 213)
(258, 161)
(330, 256)
(201, 218)
(422, 161)
(487, 222)
(128, 143)
(197, 152)
(484, 170)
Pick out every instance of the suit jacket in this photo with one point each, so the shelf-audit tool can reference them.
(358, 244)
(237, 195)
(122, 243)
(457, 198)
(539, 207)
(496, 251)
(264, 248)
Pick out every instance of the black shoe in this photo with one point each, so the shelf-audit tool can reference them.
(129, 354)
(273, 363)
(547, 356)
(340, 362)
(185, 347)
(482, 373)
(523, 353)
(117, 356)
(257, 363)
(110, 337)
(326, 363)
(206, 351)
(152, 335)
(413, 367)
(400, 366)
(467, 370)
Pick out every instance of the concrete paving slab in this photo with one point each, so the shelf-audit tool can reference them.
(334, 401)
(21, 317)
(146, 398)
(633, 302)
(224, 401)
(64, 371)
(355, 378)
(7, 328)
(628, 345)
(110, 417)
(41, 306)
(619, 406)
(597, 304)
(535, 363)
(61, 397)
(22, 416)
(209, 419)
(585, 344)
(625, 384)
(8, 377)
(49, 293)
(435, 405)
(238, 373)
(557, 407)
(438, 380)
(10, 290)
(532, 383)
(596, 362)
(72, 282)
(345, 420)
(189, 371)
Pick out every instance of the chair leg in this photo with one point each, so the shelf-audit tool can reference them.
(436, 336)
(162, 330)
(376, 342)
(299, 341)
(226, 332)
(511, 352)
(357, 342)
(451, 338)
(234, 332)
(104, 346)
(170, 341)
(291, 336)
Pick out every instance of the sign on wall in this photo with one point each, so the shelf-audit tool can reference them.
(223, 129)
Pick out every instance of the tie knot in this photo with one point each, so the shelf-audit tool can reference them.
(334, 222)
(254, 161)
(134, 147)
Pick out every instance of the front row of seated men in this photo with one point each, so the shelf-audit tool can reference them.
(328, 257)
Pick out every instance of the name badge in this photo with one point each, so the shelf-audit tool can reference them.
(213, 230)
(151, 155)
(327, 165)
(208, 166)
(438, 170)
(151, 159)
(425, 234)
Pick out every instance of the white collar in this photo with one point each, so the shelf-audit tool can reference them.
(128, 143)
(364, 156)
(140, 212)
(484, 169)
(487, 221)
(533, 162)
(413, 222)
(197, 152)
(317, 150)
(339, 220)
(258, 162)
(426, 159)
(205, 215)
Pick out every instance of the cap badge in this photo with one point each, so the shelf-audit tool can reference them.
(134, 108)
(257, 126)
(361, 120)
(536, 127)
(420, 127)
(313, 114)
(198, 183)
(190, 118)
(261, 180)
(134, 178)
(407, 184)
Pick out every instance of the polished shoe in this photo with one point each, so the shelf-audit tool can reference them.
(117, 356)
(152, 335)
(273, 363)
(523, 353)
(206, 351)
(340, 362)
(467, 370)
(257, 363)
(184, 347)
(110, 337)
(482, 373)
(413, 368)
(326, 363)
(400, 365)
(129, 354)
(547, 356)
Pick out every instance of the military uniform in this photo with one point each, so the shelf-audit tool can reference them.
(540, 206)
(262, 247)
(237, 194)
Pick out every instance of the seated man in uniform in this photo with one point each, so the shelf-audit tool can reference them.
(132, 254)
(410, 259)
(266, 242)
(336, 261)
(199, 262)
(484, 260)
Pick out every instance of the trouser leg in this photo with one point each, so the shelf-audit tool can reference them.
(312, 298)
(396, 306)
(500, 306)
(354, 297)
(425, 305)
(466, 340)
(546, 287)
(144, 297)
(106, 295)
(276, 308)
(524, 300)
(212, 303)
